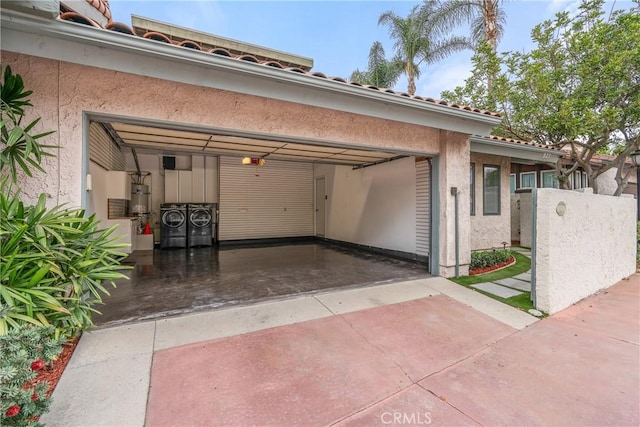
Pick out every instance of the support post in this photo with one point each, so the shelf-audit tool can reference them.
(454, 193)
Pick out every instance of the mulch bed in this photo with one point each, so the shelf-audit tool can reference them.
(51, 373)
(482, 270)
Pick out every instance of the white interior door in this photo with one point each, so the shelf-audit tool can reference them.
(321, 198)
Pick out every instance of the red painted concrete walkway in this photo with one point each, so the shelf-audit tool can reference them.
(428, 361)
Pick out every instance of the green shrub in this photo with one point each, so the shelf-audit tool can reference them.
(53, 262)
(52, 265)
(23, 352)
(489, 258)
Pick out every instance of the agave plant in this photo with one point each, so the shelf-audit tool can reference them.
(54, 263)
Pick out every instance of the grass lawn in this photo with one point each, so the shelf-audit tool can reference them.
(523, 264)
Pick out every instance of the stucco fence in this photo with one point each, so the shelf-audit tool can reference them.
(581, 243)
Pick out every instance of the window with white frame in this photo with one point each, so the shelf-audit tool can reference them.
(549, 179)
(528, 180)
(512, 183)
(491, 190)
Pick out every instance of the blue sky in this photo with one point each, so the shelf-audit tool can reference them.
(336, 34)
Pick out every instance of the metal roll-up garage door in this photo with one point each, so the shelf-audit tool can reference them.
(423, 207)
(274, 200)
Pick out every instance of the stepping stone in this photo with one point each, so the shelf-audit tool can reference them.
(515, 283)
(525, 252)
(526, 277)
(496, 290)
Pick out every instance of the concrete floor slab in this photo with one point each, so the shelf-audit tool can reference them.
(368, 297)
(107, 393)
(553, 373)
(182, 330)
(312, 373)
(512, 282)
(189, 280)
(496, 290)
(114, 343)
(506, 314)
(427, 335)
(412, 406)
(525, 277)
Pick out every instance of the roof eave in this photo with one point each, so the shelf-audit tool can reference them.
(491, 146)
(16, 24)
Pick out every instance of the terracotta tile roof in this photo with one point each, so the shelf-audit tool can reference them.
(520, 142)
(102, 6)
(159, 37)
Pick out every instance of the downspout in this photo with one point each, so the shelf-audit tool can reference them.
(455, 193)
(430, 260)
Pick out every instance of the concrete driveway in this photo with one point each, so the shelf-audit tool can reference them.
(426, 352)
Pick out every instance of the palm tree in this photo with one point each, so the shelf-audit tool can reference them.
(418, 39)
(485, 17)
(380, 71)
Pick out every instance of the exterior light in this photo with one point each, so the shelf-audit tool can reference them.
(635, 158)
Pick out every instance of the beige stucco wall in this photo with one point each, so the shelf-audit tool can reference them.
(63, 91)
(607, 183)
(489, 231)
(453, 170)
(589, 247)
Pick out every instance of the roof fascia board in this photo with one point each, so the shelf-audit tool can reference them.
(507, 149)
(79, 44)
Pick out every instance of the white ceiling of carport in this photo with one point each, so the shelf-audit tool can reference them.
(169, 140)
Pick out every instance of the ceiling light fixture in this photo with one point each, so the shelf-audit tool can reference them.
(255, 161)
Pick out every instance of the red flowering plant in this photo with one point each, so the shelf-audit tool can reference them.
(24, 351)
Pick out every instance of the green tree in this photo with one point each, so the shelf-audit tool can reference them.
(579, 88)
(419, 39)
(486, 66)
(485, 18)
(381, 72)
